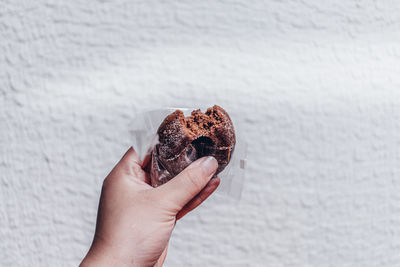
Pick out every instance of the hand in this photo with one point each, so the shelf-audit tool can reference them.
(135, 220)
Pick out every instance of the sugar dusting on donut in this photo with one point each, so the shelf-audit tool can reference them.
(184, 139)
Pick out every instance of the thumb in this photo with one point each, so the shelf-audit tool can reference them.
(186, 185)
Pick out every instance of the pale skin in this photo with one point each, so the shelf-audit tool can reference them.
(135, 221)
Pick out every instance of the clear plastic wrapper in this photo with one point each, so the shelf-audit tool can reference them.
(145, 139)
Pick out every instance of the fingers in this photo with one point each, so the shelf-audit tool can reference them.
(181, 189)
(129, 157)
(146, 164)
(197, 200)
(130, 165)
(161, 260)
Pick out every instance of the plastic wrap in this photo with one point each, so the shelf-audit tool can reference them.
(145, 140)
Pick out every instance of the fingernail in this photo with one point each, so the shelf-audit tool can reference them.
(209, 165)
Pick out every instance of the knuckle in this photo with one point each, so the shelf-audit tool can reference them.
(109, 181)
(106, 182)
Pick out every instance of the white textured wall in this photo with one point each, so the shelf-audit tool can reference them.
(315, 86)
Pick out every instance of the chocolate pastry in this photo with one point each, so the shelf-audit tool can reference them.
(182, 140)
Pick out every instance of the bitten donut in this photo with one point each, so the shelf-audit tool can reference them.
(182, 140)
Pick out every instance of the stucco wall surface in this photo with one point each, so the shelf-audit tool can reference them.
(313, 87)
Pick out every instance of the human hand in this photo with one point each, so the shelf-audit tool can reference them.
(135, 220)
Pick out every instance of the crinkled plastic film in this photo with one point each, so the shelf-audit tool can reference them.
(145, 138)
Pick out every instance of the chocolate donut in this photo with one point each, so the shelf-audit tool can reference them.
(182, 140)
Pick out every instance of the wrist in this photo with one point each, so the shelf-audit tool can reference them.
(98, 256)
(96, 260)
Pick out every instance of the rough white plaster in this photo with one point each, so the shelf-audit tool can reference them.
(314, 86)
